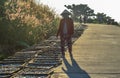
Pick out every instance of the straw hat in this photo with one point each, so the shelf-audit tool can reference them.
(65, 12)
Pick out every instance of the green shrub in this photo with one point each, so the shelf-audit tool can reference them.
(25, 23)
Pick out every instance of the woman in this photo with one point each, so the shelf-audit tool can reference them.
(65, 31)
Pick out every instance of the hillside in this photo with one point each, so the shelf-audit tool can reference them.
(24, 23)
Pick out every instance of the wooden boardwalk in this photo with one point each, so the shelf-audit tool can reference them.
(96, 54)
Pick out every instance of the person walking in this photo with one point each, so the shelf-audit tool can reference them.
(65, 31)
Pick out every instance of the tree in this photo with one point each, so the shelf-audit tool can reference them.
(80, 12)
(101, 17)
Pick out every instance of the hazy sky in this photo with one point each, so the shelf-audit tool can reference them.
(109, 7)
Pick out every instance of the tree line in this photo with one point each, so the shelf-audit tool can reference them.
(84, 14)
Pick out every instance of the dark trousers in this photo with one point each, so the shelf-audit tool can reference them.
(66, 40)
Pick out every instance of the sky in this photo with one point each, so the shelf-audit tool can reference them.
(109, 7)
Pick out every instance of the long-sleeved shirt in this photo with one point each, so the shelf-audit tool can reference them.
(69, 26)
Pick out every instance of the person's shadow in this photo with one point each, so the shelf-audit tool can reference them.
(74, 71)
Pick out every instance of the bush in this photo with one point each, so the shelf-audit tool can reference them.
(25, 23)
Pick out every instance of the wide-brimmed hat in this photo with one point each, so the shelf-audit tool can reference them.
(66, 12)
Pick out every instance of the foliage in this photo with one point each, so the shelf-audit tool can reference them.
(84, 14)
(80, 12)
(103, 18)
(24, 23)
